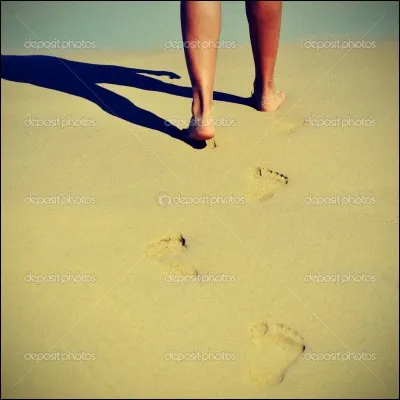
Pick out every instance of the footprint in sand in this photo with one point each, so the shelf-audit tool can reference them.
(170, 251)
(273, 349)
(264, 182)
(167, 246)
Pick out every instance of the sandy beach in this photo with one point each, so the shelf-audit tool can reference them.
(264, 265)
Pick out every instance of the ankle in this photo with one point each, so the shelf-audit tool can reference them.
(200, 106)
(264, 88)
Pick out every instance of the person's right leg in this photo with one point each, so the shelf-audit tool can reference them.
(264, 18)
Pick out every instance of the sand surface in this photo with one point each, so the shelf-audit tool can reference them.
(269, 244)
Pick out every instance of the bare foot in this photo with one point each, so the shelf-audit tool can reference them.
(267, 100)
(201, 128)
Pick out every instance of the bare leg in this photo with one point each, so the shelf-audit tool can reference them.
(201, 26)
(264, 18)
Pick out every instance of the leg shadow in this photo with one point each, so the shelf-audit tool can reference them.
(82, 79)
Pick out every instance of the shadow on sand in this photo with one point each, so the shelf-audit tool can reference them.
(82, 79)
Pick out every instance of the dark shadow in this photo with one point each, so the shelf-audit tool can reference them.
(82, 79)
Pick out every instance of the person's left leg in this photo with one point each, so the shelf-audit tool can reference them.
(201, 26)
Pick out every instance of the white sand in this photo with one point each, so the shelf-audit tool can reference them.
(130, 317)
